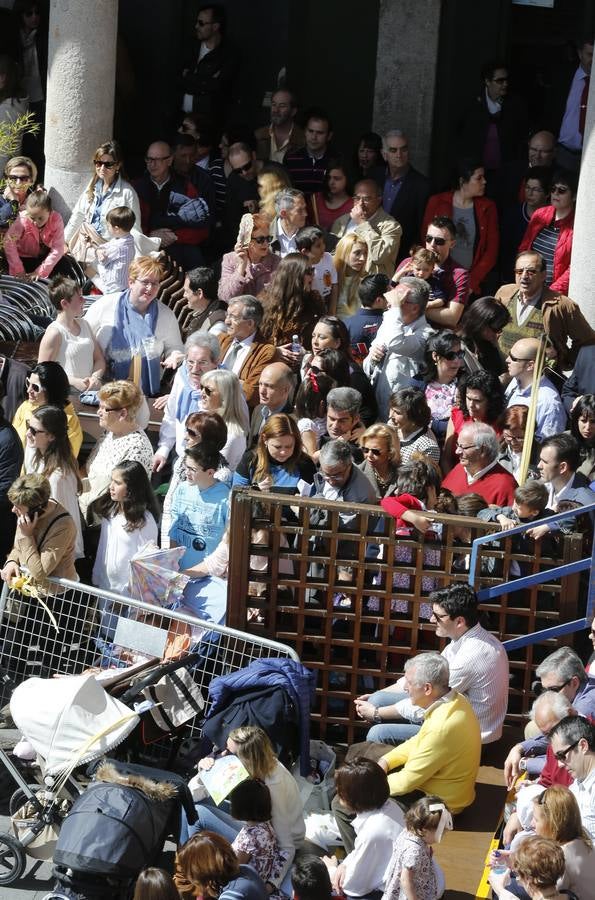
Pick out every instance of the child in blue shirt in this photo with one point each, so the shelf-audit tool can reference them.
(200, 506)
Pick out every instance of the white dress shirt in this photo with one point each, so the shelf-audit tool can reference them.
(242, 353)
(376, 832)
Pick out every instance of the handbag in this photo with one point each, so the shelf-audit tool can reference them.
(179, 699)
(84, 238)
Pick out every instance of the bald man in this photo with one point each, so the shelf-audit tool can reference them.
(275, 392)
(171, 208)
(380, 231)
(542, 149)
(550, 416)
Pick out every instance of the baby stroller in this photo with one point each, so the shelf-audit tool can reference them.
(70, 723)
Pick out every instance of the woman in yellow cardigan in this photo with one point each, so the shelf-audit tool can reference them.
(48, 384)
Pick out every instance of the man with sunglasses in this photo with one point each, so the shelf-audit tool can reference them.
(573, 745)
(242, 189)
(208, 79)
(449, 283)
(535, 309)
(550, 416)
(171, 208)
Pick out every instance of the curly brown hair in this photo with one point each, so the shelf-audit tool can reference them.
(288, 310)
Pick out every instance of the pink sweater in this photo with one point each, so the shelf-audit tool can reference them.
(24, 240)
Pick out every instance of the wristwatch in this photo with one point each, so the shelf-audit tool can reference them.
(522, 765)
(376, 717)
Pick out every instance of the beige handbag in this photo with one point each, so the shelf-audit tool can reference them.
(81, 242)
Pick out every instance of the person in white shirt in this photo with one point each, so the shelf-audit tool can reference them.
(362, 788)
(290, 206)
(478, 669)
(573, 745)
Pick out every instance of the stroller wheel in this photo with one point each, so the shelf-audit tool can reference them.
(19, 798)
(12, 859)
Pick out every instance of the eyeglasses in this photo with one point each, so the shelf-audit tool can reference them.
(208, 391)
(106, 165)
(470, 447)
(154, 159)
(432, 239)
(316, 370)
(363, 198)
(32, 386)
(373, 450)
(191, 432)
(519, 358)
(34, 431)
(539, 688)
(562, 754)
(559, 189)
(146, 283)
(515, 435)
(262, 239)
(529, 271)
(453, 354)
(241, 170)
(440, 616)
(19, 178)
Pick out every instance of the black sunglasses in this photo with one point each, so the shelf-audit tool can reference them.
(106, 165)
(32, 386)
(562, 754)
(453, 354)
(34, 431)
(263, 239)
(373, 450)
(208, 391)
(242, 169)
(556, 688)
(316, 370)
(191, 431)
(432, 239)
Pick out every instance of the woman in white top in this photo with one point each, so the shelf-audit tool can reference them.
(221, 393)
(69, 340)
(119, 403)
(52, 457)
(106, 190)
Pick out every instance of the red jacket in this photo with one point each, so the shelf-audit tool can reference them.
(487, 237)
(497, 486)
(541, 218)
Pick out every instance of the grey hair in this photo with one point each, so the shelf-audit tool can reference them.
(335, 453)
(484, 438)
(394, 132)
(206, 341)
(233, 407)
(553, 701)
(344, 399)
(565, 663)
(420, 290)
(286, 198)
(429, 668)
(252, 307)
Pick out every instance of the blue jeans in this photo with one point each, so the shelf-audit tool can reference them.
(210, 818)
(390, 732)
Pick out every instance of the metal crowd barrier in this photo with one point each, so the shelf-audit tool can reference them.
(72, 627)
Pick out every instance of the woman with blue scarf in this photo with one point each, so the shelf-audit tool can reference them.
(107, 189)
(132, 327)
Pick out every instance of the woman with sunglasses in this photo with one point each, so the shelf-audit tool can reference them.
(20, 174)
(221, 393)
(48, 385)
(476, 222)
(250, 266)
(480, 329)
(551, 229)
(47, 437)
(107, 189)
(382, 456)
(443, 367)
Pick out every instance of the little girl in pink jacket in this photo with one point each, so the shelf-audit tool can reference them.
(35, 240)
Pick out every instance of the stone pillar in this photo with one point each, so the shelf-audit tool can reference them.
(582, 267)
(406, 72)
(80, 93)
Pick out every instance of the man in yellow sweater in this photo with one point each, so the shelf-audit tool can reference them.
(443, 757)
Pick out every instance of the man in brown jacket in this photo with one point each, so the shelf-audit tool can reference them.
(535, 309)
(243, 349)
(282, 135)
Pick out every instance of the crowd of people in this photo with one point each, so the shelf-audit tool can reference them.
(350, 335)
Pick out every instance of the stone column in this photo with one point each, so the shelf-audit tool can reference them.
(582, 267)
(406, 72)
(80, 93)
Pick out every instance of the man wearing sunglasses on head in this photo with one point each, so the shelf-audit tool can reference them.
(171, 208)
(449, 283)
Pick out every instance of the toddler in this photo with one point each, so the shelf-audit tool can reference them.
(412, 871)
(115, 256)
(310, 408)
(257, 844)
(310, 243)
(34, 242)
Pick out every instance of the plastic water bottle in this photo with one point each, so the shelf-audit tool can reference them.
(501, 867)
(296, 347)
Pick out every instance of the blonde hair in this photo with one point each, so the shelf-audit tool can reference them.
(31, 491)
(145, 266)
(255, 750)
(562, 816)
(232, 410)
(270, 182)
(385, 433)
(125, 394)
(21, 161)
(341, 260)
